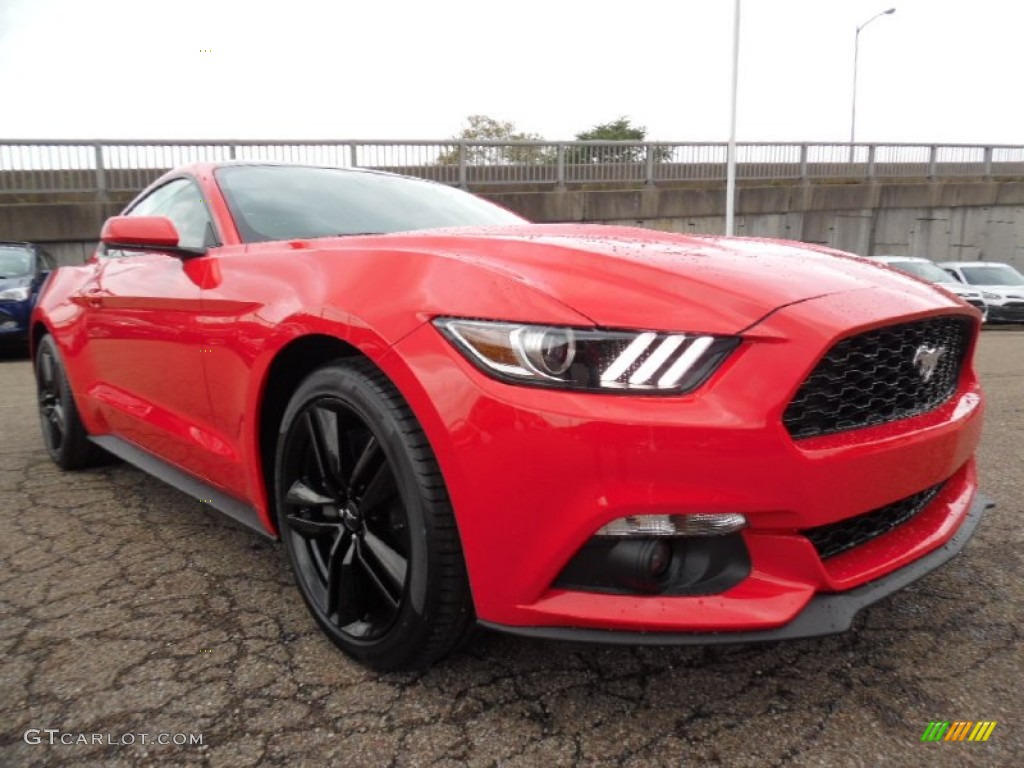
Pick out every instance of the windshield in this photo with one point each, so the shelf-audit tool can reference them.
(15, 261)
(924, 269)
(288, 202)
(997, 274)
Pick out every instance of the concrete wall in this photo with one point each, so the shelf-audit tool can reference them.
(67, 229)
(939, 220)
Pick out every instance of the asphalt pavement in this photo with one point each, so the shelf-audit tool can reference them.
(131, 614)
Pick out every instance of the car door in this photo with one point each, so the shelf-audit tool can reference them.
(145, 335)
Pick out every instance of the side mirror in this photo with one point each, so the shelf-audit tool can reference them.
(145, 233)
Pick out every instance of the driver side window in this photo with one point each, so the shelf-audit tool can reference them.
(179, 201)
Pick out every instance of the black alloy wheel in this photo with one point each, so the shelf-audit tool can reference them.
(64, 436)
(364, 515)
(347, 519)
(51, 409)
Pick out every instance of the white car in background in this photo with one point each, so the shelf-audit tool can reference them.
(1001, 285)
(930, 271)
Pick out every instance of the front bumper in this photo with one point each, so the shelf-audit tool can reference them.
(532, 474)
(826, 614)
(1009, 312)
(14, 320)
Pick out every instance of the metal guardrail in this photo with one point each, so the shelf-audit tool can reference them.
(28, 166)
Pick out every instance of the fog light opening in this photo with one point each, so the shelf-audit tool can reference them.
(657, 565)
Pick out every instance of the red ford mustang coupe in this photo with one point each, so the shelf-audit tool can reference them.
(451, 416)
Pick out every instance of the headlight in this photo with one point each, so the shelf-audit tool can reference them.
(15, 294)
(991, 296)
(588, 359)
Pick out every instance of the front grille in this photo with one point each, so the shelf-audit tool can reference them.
(834, 538)
(1010, 311)
(879, 376)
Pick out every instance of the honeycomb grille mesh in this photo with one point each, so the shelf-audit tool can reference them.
(880, 376)
(832, 539)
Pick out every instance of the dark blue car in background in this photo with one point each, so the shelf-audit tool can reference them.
(23, 269)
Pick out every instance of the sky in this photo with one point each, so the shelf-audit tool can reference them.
(935, 71)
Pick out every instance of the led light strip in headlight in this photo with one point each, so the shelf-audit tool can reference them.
(586, 358)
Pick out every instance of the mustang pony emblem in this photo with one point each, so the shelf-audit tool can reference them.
(926, 360)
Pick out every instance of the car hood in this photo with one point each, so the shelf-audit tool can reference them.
(15, 282)
(640, 278)
(1006, 291)
(960, 289)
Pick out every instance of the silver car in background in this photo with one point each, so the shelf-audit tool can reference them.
(1001, 285)
(930, 271)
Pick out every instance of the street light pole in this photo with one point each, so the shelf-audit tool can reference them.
(730, 166)
(856, 51)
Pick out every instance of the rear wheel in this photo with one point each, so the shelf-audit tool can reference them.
(64, 435)
(364, 514)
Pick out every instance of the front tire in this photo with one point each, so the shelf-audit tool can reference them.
(364, 514)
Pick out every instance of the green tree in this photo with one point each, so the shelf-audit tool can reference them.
(484, 128)
(621, 129)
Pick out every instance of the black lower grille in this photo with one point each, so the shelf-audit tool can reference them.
(1011, 310)
(846, 534)
(879, 376)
